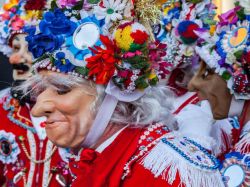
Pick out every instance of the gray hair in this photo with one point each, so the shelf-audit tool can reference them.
(154, 106)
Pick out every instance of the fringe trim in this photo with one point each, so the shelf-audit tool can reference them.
(166, 162)
(243, 146)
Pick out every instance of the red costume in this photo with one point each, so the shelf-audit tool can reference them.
(25, 159)
(126, 161)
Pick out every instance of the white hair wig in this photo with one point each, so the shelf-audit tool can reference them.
(154, 106)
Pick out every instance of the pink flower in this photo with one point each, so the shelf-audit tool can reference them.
(132, 54)
(17, 23)
(230, 17)
(67, 3)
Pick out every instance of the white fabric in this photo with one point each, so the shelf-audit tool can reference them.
(236, 107)
(101, 121)
(178, 101)
(196, 122)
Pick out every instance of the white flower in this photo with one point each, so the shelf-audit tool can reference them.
(246, 5)
(9, 149)
(112, 11)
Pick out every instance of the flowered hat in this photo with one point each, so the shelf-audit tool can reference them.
(228, 52)
(111, 47)
(180, 22)
(17, 14)
(109, 42)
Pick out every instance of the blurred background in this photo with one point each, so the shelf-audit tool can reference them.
(6, 69)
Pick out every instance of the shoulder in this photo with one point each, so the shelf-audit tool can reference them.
(175, 154)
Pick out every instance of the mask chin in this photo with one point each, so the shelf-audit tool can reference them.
(236, 107)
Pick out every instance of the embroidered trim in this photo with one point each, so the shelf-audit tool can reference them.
(32, 143)
(169, 163)
(144, 145)
(46, 170)
(190, 160)
(14, 112)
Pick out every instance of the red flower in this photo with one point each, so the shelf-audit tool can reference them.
(246, 58)
(140, 37)
(102, 65)
(34, 4)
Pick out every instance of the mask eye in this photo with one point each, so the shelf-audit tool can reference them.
(62, 91)
(16, 48)
(206, 73)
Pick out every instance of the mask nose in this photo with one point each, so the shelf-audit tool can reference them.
(44, 106)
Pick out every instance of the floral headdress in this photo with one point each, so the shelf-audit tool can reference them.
(228, 51)
(109, 42)
(17, 14)
(181, 22)
(102, 42)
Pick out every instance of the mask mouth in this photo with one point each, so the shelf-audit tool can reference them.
(21, 68)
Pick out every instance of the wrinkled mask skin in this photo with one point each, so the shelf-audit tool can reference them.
(21, 58)
(212, 87)
(68, 111)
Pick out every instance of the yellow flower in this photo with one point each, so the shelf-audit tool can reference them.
(11, 4)
(32, 14)
(152, 75)
(123, 38)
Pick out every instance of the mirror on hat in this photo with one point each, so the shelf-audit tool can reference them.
(86, 35)
(238, 36)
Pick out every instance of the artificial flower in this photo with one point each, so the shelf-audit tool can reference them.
(112, 10)
(230, 17)
(102, 64)
(57, 23)
(123, 37)
(34, 4)
(62, 63)
(140, 37)
(10, 5)
(41, 43)
(66, 3)
(17, 23)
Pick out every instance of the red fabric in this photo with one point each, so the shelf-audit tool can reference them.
(106, 169)
(10, 170)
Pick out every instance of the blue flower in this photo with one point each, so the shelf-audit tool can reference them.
(57, 23)
(62, 63)
(41, 43)
(79, 54)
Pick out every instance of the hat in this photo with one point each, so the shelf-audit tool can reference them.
(17, 14)
(104, 42)
(228, 51)
(108, 42)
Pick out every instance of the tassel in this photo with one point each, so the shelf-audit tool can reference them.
(164, 161)
(243, 146)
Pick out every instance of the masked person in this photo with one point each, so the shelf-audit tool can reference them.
(180, 21)
(27, 157)
(223, 80)
(97, 83)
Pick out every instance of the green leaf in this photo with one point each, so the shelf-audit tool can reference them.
(238, 54)
(82, 70)
(153, 81)
(141, 82)
(226, 75)
(53, 5)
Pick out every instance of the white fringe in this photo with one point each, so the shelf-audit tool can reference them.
(164, 161)
(243, 146)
